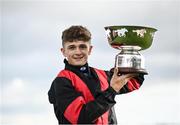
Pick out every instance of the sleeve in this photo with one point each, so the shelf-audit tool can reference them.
(72, 105)
(133, 84)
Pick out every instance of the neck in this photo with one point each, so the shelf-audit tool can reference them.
(83, 69)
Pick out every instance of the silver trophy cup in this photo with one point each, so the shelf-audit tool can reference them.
(130, 40)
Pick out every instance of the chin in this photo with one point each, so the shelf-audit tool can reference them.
(80, 63)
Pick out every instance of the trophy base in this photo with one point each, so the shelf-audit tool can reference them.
(126, 70)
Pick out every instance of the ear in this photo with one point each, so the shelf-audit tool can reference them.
(63, 52)
(90, 49)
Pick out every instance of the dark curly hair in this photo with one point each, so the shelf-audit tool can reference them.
(76, 33)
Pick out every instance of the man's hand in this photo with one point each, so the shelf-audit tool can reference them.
(118, 81)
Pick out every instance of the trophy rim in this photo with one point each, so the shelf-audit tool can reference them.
(135, 26)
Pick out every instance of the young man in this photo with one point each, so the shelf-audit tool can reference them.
(82, 94)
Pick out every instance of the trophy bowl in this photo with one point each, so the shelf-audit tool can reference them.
(130, 40)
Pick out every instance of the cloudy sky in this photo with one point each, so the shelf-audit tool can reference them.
(30, 56)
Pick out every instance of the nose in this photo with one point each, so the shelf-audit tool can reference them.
(78, 51)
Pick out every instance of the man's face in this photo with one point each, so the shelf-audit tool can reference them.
(76, 52)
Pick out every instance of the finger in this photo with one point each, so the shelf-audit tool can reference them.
(115, 71)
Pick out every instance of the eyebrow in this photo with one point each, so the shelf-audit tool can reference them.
(71, 45)
(78, 45)
(82, 45)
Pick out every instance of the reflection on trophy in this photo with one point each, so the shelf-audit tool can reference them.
(130, 40)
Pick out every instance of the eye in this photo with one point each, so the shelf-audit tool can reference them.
(82, 46)
(71, 47)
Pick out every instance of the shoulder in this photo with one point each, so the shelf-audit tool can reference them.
(106, 73)
(64, 73)
(97, 69)
(63, 78)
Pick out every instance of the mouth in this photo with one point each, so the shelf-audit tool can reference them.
(78, 58)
